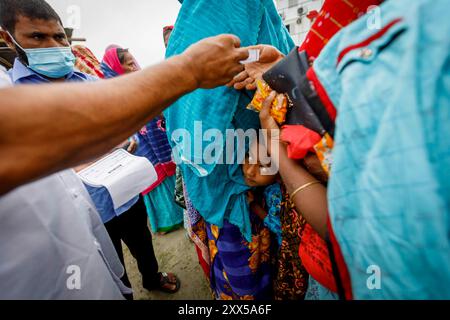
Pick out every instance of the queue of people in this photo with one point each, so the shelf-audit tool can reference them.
(357, 208)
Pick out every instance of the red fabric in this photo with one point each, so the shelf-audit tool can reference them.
(300, 140)
(341, 265)
(203, 263)
(369, 40)
(162, 170)
(316, 259)
(323, 95)
(312, 14)
(168, 28)
(334, 15)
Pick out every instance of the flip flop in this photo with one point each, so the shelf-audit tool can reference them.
(165, 280)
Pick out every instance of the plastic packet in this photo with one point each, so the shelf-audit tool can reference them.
(279, 106)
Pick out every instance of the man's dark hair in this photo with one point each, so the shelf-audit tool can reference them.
(10, 10)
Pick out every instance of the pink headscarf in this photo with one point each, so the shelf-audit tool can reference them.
(111, 59)
(168, 28)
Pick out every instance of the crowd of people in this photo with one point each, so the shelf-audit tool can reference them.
(358, 207)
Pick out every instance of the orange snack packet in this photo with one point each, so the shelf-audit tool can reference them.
(279, 105)
(324, 152)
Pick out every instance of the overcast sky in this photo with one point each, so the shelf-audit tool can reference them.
(134, 24)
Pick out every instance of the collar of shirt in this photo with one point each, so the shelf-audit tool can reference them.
(22, 74)
(4, 79)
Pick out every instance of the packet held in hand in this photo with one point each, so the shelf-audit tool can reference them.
(279, 106)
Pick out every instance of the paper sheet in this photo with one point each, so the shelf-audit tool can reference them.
(253, 56)
(124, 175)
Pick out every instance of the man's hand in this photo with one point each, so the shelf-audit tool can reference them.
(215, 61)
(269, 56)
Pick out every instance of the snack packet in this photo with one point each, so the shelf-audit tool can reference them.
(279, 105)
(324, 152)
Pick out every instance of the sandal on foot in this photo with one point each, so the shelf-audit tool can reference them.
(166, 280)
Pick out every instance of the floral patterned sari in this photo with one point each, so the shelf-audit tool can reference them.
(291, 282)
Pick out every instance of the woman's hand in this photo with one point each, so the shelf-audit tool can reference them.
(130, 145)
(314, 167)
(269, 56)
(250, 197)
(267, 121)
(271, 129)
(133, 146)
(255, 207)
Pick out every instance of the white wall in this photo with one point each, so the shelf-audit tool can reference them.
(289, 10)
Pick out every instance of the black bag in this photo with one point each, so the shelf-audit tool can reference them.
(289, 77)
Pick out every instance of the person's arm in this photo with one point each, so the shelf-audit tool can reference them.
(45, 129)
(310, 202)
(129, 146)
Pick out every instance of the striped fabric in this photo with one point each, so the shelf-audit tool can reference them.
(153, 145)
(86, 61)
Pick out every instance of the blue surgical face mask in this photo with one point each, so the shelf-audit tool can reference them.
(53, 63)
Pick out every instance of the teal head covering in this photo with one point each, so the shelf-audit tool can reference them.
(218, 190)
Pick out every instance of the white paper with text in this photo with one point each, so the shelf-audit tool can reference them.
(124, 175)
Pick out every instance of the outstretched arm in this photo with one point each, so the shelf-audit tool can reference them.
(44, 129)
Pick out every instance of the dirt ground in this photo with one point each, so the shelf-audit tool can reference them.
(175, 253)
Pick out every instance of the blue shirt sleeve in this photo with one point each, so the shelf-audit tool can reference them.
(104, 204)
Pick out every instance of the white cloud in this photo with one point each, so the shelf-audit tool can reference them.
(134, 24)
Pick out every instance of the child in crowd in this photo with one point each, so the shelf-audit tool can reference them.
(266, 196)
(238, 269)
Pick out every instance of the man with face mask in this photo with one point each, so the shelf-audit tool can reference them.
(52, 242)
(35, 32)
(45, 55)
(37, 35)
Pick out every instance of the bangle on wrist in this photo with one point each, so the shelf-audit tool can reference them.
(303, 187)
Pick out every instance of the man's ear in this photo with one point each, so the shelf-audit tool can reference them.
(6, 37)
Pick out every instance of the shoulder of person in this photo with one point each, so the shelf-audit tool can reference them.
(86, 77)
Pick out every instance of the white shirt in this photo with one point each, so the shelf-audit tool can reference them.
(53, 244)
(4, 78)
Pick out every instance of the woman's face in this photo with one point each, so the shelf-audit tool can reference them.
(129, 64)
(167, 37)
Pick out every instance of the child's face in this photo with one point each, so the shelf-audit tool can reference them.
(256, 173)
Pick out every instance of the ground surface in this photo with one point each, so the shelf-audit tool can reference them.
(175, 253)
